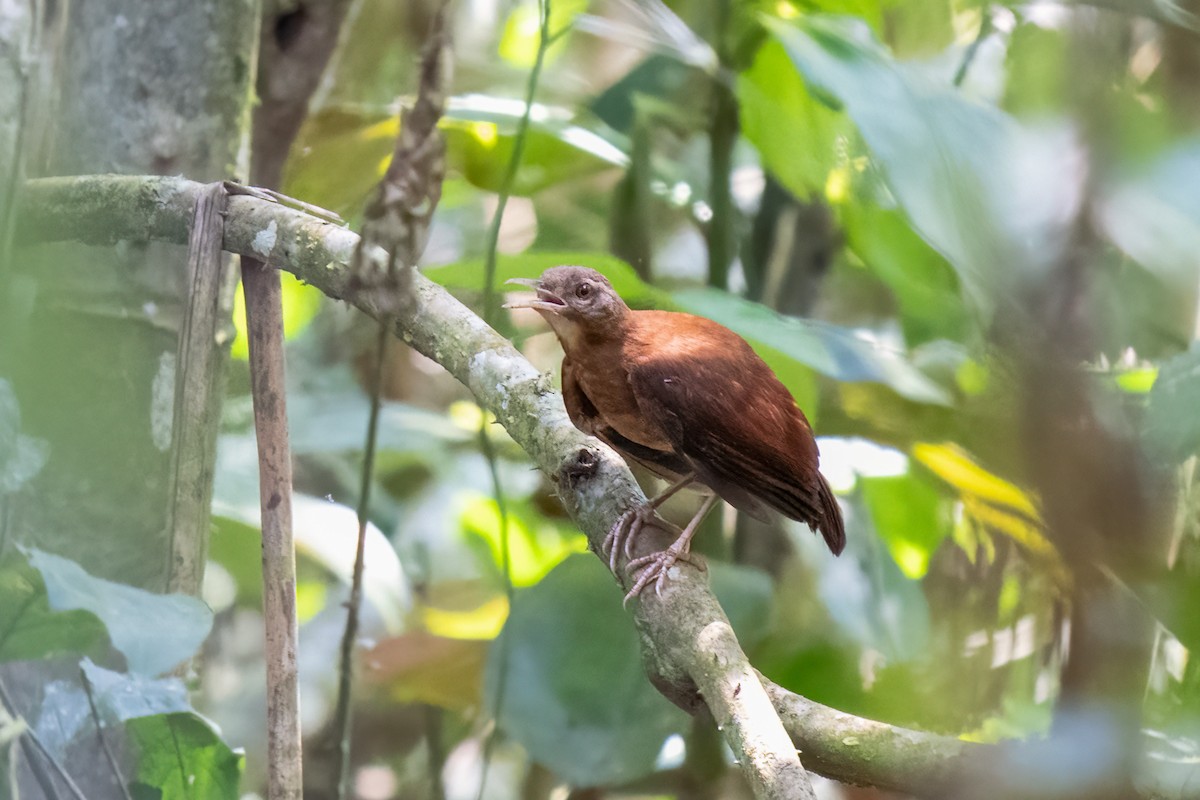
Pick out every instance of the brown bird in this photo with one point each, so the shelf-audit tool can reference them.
(688, 399)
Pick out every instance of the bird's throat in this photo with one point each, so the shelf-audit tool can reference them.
(575, 334)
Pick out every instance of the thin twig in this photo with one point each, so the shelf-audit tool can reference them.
(396, 223)
(341, 722)
(108, 753)
(545, 39)
(437, 756)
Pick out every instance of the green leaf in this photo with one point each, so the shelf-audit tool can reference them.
(986, 193)
(65, 715)
(335, 422)
(872, 600)
(909, 516)
(559, 146)
(154, 631)
(833, 351)
(122, 696)
(326, 538)
(30, 629)
(181, 756)
(777, 114)
(925, 286)
(575, 696)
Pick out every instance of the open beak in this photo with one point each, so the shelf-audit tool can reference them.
(543, 301)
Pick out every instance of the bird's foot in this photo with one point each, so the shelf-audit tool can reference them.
(624, 533)
(655, 567)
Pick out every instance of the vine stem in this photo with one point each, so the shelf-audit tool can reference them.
(545, 39)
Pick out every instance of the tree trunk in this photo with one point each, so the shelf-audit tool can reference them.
(135, 88)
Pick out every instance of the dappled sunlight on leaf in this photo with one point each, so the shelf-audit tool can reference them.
(519, 42)
(535, 545)
(469, 274)
(911, 518)
(301, 303)
(341, 154)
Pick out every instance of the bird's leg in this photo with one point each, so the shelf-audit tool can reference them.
(621, 537)
(654, 567)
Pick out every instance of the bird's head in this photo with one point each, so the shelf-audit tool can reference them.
(576, 301)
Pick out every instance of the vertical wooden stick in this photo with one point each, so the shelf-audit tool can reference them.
(265, 328)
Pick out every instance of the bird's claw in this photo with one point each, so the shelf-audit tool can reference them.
(624, 533)
(654, 568)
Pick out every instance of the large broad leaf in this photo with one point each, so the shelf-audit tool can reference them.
(747, 597)
(796, 135)
(30, 629)
(121, 696)
(828, 349)
(991, 196)
(65, 713)
(570, 675)
(421, 667)
(183, 758)
(926, 289)
(155, 632)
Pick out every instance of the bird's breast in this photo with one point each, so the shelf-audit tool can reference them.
(606, 384)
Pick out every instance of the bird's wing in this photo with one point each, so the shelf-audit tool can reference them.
(723, 409)
(585, 416)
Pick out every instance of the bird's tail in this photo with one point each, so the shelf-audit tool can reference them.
(831, 518)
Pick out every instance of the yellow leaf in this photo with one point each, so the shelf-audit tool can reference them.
(481, 622)
(956, 467)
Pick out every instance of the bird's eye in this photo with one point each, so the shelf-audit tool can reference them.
(583, 290)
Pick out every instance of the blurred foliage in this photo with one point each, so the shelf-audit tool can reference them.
(59, 614)
(960, 152)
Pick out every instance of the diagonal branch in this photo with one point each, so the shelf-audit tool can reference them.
(688, 645)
